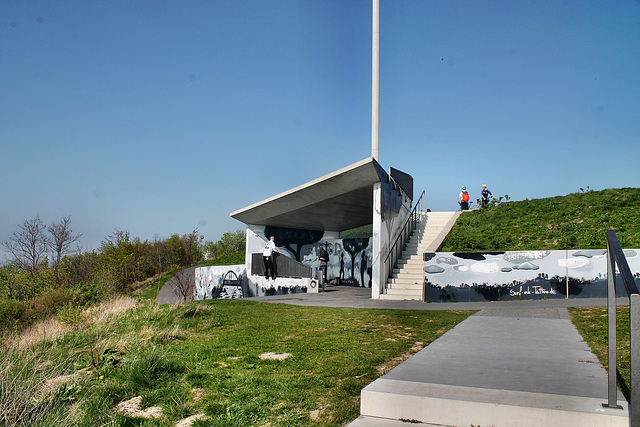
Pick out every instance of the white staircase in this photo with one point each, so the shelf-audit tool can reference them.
(407, 279)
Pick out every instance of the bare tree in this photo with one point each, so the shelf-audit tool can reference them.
(183, 284)
(62, 238)
(29, 245)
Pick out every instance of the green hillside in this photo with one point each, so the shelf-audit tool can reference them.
(230, 363)
(575, 221)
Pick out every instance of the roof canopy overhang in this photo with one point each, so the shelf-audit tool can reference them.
(335, 202)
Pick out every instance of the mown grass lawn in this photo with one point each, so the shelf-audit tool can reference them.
(592, 323)
(240, 363)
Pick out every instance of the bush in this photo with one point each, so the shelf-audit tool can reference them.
(85, 294)
(70, 314)
(12, 312)
(48, 303)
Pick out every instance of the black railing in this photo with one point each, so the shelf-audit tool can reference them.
(616, 257)
(391, 259)
(283, 266)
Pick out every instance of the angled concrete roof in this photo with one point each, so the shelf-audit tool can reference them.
(335, 202)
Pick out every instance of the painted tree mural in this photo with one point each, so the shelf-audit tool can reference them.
(286, 237)
(353, 247)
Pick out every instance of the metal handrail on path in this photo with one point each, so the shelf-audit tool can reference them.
(403, 236)
(616, 257)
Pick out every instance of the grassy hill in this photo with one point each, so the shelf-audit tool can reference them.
(575, 221)
(226, 362)
(241, 363)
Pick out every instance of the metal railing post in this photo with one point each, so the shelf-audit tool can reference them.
(612, 394)
(634, 318)
(616, 258)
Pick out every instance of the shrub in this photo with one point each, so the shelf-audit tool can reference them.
(50, 301)
(70, 314)
(12, 312)
(85, 294)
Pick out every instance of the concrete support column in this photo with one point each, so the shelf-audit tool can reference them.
(377, 267)
(247, 250)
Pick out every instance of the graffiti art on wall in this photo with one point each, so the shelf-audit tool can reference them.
(493, 276)
(232, 281)
(349, 259)
(357, 250)
(286, 237)
(229, 281)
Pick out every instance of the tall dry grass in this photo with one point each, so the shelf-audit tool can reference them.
(107, 310)
(30, 388)
(36, 386)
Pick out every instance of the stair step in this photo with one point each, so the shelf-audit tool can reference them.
(404, 292)
(414, 261)
(451, 405)
(363, 421)
(409, 270)
(412, 266)
(395, 297)
(407, 278)
(405, 285)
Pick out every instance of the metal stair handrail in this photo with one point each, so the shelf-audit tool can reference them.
(616, 257)
(402, 237)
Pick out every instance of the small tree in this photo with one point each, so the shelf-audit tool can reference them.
(174, 250)
(211, 249)
(191, 245)
(62, 238)
(232, 242)
(118, 257)
(183, 284)
(29, 245)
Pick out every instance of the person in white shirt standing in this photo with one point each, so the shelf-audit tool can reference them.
(267, 257)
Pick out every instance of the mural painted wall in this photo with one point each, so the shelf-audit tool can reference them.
(232, 281)
(226, 281)
(493, 276)
(349, 259)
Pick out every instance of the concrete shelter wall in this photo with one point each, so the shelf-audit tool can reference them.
(391, 209)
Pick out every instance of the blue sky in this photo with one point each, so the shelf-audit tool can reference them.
(155, 117)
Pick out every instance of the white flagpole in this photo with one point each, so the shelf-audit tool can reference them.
(375, 80)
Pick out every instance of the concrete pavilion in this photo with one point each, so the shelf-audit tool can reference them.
(360, 194)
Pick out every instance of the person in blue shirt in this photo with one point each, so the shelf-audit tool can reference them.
(484, 195)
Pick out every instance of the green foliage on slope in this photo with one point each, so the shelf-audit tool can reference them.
(237, 363)
(575, 221)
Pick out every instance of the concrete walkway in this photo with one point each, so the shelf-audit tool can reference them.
(516, 363)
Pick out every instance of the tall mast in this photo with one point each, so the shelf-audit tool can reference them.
(375, 80)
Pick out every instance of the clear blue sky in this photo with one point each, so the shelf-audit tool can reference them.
(155, 117)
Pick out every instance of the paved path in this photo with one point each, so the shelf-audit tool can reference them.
(349, 296)
(514, 363)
